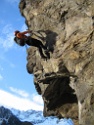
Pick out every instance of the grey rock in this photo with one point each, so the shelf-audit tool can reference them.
(65, 81)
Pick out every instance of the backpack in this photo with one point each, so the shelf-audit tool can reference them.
(19, 41)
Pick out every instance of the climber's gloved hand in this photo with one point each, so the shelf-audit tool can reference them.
(30, 31)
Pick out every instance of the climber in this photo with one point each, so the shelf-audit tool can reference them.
(22, 39)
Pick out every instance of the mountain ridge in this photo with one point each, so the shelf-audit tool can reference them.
(30, 117)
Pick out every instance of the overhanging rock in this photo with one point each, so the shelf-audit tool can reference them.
(65, 81)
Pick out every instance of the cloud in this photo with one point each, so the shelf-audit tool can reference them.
(24, 27)
(1, 21)
(1, 68)
(6, 37)
(12, 101)
(19, 92)
(12, 1)
(37, 99)
(1, 77)
(4, 59)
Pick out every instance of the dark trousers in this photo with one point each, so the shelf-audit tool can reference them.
(36, 43)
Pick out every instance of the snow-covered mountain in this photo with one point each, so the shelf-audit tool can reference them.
(8, 118)
(30, 117)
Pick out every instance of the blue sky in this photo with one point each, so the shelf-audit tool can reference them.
(16, 85)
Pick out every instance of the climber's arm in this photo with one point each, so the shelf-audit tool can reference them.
(22, 34)
(25, 32)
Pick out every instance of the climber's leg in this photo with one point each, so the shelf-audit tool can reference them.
(39, 45)
(41, 53)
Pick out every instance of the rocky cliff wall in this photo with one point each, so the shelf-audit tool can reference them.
(65, 81)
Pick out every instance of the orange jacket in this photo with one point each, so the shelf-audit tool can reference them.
(22, 34)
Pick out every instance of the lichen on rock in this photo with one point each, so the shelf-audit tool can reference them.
(65, 81)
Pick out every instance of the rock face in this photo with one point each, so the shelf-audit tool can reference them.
(65, 81)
